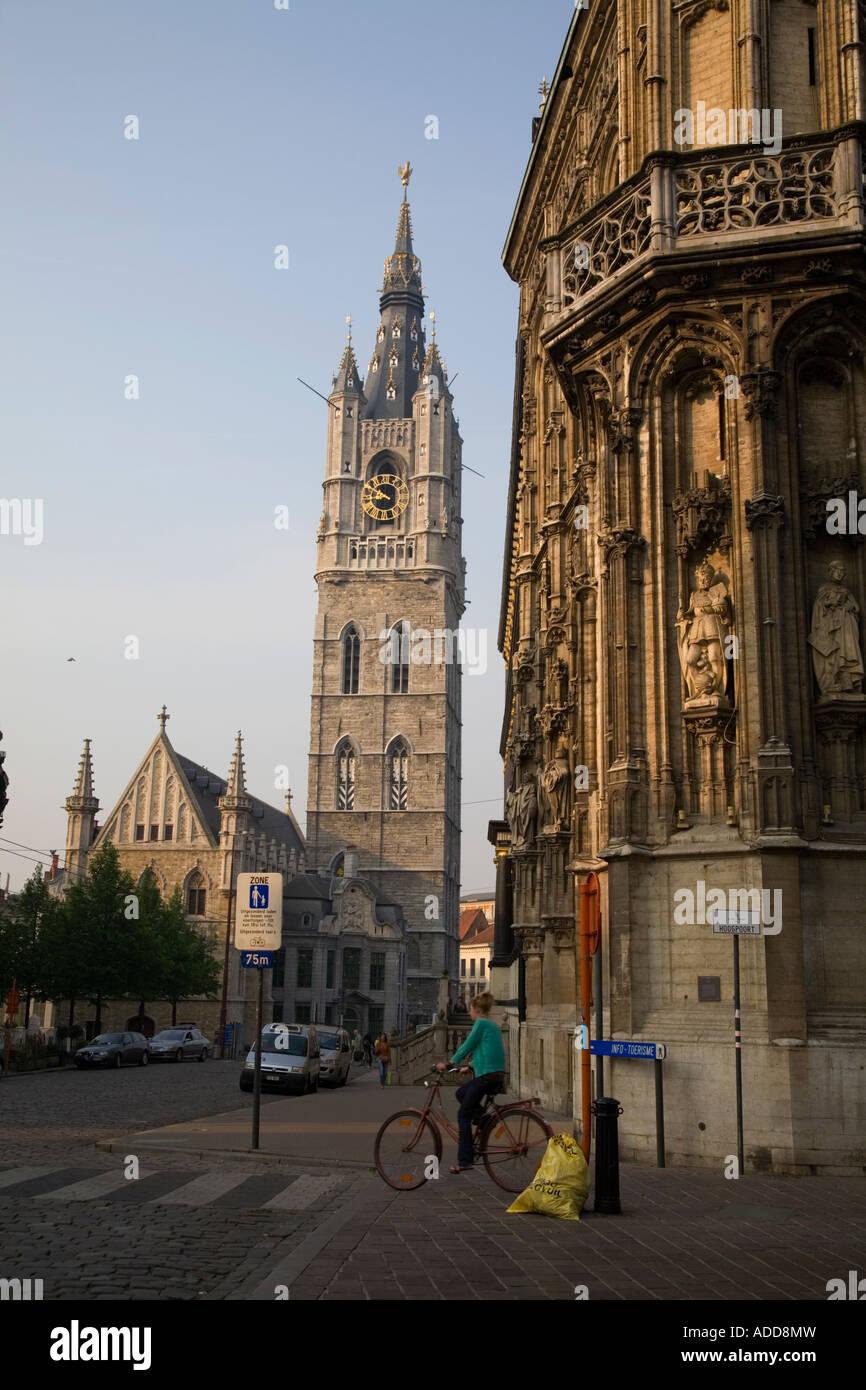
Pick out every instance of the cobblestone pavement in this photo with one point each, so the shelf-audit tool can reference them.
(217, 1225)
(185, 1229)
(59, 1109)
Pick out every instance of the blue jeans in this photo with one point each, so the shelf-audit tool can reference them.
(383, 1070)
(470, 1097)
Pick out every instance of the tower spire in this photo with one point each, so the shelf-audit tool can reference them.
(82, 792)
(81, 809)
(237, 786)
(395, 367)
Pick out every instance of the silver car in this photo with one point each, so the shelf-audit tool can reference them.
(175, 1044)
(336, 1056)
(290, 1059)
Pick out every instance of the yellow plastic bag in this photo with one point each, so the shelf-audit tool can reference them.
(561, 1185)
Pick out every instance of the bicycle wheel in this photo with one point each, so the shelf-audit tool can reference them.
(512, 1146)
(403, 1146)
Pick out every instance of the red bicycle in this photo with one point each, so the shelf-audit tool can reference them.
(510, 1140)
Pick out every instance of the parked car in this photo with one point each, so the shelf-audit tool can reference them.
(174, 1044)
(112, 1050)
(335, 1056)
(290, 1059)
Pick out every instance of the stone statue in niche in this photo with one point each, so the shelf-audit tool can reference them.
(835, 637)
(554, 780)
(521, 812)
(352, 912)
(703, 628)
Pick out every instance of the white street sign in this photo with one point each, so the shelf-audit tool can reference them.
(259, 912)
(727, 923)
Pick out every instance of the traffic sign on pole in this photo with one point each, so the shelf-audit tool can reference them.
(257, 960)
(727, 923)
(656, 1052)
(259, 912)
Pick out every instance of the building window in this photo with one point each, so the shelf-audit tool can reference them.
(399, 761)
(462, 965)
(351, 661)
(472, 966)
(154, 832)
(377, 970)
(399, 658)
(345, 777)
(329, 970)
(139, 832)
(352, 969)
(481, 966)
(278, 1012)
(279, 978)
(305, 970)
(168, 832)
(376, 1016)
(302, 1013)
(196, 896)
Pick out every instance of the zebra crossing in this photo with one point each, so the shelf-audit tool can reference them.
(172, 1188)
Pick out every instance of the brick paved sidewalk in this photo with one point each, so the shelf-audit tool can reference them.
(683, 1235)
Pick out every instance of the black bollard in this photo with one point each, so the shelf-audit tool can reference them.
(606, 1112)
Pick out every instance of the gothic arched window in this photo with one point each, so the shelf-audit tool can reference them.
(398, 761)
(196, 895)
(351, 660)
(398, 658)
(345, 777)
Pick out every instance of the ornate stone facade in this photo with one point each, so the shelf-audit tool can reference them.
(197, 831)
(682, 630)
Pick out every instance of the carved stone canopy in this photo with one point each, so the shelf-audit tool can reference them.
(814, 497)
(703, 516)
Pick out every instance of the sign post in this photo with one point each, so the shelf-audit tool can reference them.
(258, 932)
(650, 1051)
(737, 924)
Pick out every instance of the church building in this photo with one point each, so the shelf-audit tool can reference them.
(195, 830)
(384, 771)
(685, 575)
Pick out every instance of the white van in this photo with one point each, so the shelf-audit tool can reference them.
(290, 1059)
(336, 1055)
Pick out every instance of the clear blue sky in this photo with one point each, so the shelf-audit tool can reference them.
(155, 257)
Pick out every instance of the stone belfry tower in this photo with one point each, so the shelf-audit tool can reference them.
(385, 726)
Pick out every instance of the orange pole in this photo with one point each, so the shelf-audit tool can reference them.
(588, 917)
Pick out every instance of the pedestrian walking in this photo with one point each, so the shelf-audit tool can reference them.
(383, 1057)
(368, 1049)
(484, 1045)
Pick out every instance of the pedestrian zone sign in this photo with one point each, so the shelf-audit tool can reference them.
(259, 912)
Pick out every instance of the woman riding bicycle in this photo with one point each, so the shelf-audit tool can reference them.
(484, 1045)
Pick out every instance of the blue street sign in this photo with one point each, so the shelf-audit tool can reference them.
(257, 960)
(259, 895)
(655, 1051)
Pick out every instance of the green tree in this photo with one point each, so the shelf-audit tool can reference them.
(24, 930)
(188, 965)
(145, 960)
(96, 911)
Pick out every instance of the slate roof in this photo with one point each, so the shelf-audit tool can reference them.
(207, 787)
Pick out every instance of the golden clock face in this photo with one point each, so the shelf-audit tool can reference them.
(385, 497)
